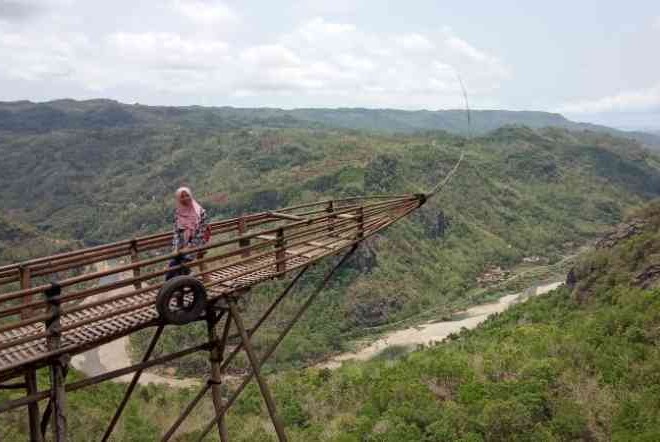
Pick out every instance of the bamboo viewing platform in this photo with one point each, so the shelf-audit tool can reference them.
(54, 307)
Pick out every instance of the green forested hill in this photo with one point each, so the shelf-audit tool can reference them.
(65, 180)
(581, 363)
(75, 174)
(520, 192)
(27, 117)
(19, 241)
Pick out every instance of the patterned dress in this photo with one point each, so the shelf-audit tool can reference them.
(179, 242)
(196, 240)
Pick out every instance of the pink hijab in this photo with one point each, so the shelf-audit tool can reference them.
(189, 217)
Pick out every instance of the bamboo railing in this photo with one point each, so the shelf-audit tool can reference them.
(89, 307)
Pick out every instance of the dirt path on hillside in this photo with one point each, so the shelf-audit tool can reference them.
(436, 331)
(115, 354)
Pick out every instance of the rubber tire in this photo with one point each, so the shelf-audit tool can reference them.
(184, 315)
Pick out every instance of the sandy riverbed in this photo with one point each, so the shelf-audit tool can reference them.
(115, 354)
(436, 331)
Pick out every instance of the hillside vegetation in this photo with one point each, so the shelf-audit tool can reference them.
(520, 192)
(26, 117)
(20, 241)
(580, 363)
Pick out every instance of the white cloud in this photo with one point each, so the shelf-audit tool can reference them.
(626, 101)
(321, 34)
(340, 60)
(167, 50)
(270, 55)
(656, 22)
(206, 11)
(25, 57)
(325, 7)
(415, 42)
(319, 62)
(464, 48)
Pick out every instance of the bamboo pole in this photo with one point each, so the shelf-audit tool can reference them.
(279, 339)
(132, 385)
(216, 356)
(256, 365)
(54, 341)
(225, 363)
(135, 257)
(30, 375)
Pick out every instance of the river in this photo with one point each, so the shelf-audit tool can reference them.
(115, 354)
(436, 331)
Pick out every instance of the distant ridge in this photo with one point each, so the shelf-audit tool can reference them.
(26, 116)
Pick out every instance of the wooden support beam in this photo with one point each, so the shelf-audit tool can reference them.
(256, 365)
(14, 386)
(225, 363)
(30, 375)
(132, 385)
(25, 275)
(57, 367)
(360, 223)
(330, 210)
(135, 257)
(21, 402)
(216, 356)
(46, 417)
(202, 267)
(279, 339)
(243, 242)
(33, 408)
(280, 253)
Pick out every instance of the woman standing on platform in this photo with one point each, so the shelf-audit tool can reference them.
(190, 229)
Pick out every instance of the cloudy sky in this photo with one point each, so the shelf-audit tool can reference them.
(593, 60)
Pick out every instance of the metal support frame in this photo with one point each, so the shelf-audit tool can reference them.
(243, 242)
(86, 382)
(257, 364)
(331, 219)
(216, 355)
(133, 384)
(360, 223)
(58, 365)
(57, 356)
(216, 346)
(280, 254)
(225, 363)
(33, 408)
(135, 257)
(46, 417)
(25, 276)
